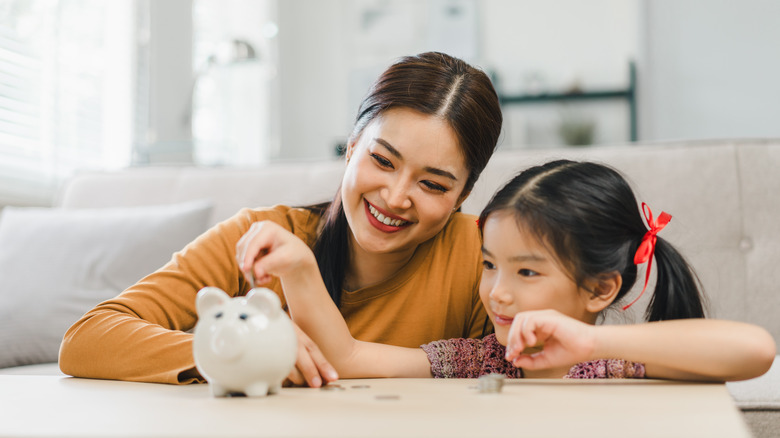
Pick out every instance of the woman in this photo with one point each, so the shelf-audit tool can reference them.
(395, 255)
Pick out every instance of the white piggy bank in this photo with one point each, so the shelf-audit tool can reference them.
(243, 344)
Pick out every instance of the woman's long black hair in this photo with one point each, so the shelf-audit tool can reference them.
(431, 83)
(587, 214)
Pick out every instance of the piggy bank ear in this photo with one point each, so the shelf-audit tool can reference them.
(265, 300)
(210, 297)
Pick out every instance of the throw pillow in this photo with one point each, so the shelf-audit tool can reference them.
(56, 264)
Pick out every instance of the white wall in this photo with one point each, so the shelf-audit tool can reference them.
(329, 55)
(312, 78)
(170, 50)
(706, 68)
(554, 46)
(709, 68)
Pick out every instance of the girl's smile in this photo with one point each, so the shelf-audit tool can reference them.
(502, 320)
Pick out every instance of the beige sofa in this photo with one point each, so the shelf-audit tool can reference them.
(724, 197)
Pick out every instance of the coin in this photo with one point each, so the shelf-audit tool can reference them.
(332, 388)
(491, 383)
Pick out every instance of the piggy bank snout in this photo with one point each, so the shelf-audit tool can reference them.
(228, 340)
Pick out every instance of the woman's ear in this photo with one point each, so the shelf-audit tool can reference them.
(602, 291)
(350, 149)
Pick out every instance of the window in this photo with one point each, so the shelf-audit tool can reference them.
(66, 92)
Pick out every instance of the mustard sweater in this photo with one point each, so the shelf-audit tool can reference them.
(142, 334)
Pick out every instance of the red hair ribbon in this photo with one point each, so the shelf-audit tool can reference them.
(647, 247)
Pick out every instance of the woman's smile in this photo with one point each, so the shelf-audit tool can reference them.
(404, 178)
(383, 220)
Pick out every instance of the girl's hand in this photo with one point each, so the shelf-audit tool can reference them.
(565, 340)
(268, 249)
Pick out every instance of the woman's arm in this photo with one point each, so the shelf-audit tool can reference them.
(686, 349)
(141, 335)
(281, 254)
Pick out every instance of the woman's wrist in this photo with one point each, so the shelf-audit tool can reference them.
(304, 278)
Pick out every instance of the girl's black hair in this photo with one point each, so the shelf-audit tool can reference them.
(431, 83)
(587, 214)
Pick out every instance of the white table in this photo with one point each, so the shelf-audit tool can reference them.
(44, 406)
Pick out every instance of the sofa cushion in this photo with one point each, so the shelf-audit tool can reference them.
(58, 263)
(761, 393)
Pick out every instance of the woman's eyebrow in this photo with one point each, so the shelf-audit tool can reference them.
(394, 152)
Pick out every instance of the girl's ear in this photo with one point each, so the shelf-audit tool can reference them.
(603, 291)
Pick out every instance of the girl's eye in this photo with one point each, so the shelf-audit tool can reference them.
(382, 161)
(527, 273)
(218, 315)
(435, 187)
(486, 265)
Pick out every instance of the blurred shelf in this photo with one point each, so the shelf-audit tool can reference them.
(627, 94)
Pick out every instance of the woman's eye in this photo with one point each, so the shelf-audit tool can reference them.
(527, 273)
(382, 161)
(487, 265)
(218, 315)
(435, 187)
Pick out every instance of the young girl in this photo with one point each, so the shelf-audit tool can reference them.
(561, 244)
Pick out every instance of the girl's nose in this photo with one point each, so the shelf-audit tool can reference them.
(500, 294)
(397, 196)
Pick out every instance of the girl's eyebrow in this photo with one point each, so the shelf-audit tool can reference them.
(518, 258)
(396, 153)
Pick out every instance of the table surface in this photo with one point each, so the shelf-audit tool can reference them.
(41, 406)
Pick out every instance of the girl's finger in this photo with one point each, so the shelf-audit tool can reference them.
(527, 329)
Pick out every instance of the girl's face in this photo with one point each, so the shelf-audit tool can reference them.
(405, 175)
(520, 274)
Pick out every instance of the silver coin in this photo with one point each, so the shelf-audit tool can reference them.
(332, 388)
(491, 383)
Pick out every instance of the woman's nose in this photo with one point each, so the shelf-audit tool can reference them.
(397, 196)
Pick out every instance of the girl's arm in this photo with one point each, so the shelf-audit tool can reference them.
(685, 349)
(282, 254)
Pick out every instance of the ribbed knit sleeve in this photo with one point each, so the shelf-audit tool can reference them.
(468, 358)
(607, 369)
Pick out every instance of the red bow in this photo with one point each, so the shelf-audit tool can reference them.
(647, 247)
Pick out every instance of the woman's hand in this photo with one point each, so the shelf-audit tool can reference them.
(565, 340)
(311, 367)
(268, 249)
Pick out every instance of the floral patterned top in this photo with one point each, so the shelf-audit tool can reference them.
(471, 358)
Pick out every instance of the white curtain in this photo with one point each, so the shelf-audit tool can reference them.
(67, 80)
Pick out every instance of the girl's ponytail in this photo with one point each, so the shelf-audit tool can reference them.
(677, 289)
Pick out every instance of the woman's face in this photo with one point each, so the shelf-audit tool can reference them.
(405, 175)
(521, 274)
